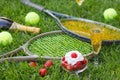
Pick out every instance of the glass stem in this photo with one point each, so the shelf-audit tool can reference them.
(96, 61)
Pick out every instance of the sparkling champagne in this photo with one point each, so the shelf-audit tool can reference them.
(96, 39)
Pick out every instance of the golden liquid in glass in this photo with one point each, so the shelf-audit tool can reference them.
(83, 28)
(96, 39)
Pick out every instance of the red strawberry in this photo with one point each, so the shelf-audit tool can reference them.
(43, 72)
(64, 64)
(70, 68)
(74, 55)
(48, 63)
(33, 64)
(77, 65)
(63, 58)
(84, 61)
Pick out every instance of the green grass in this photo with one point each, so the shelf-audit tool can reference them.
(109, 63)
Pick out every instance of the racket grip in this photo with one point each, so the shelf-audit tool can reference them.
(16, 26)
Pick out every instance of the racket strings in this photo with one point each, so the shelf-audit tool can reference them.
(56, 45)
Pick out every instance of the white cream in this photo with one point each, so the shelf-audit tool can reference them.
(71, 60)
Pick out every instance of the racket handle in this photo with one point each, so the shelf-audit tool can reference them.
(20, 27)
(20, 58)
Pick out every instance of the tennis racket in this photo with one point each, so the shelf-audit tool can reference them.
(82, 28)
(7, 24)
(49, 45)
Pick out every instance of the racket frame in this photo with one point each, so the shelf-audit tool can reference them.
(31, 56)
(57, 16)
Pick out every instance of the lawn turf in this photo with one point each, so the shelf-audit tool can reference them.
(109, 63)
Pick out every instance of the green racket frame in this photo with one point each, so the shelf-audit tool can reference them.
(31, 56)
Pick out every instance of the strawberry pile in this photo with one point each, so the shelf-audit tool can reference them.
(43, 70)
(73, 61)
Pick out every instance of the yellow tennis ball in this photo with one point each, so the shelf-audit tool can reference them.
(5, 38)
(110, 14)
(32, 18)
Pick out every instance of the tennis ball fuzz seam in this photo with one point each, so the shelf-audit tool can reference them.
(5, 38)
(32, 18)
(110, 14)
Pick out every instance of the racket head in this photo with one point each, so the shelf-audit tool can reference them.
(88, 23)
(54, 45)
(58, 16)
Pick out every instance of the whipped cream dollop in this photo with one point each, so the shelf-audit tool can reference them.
(73, 57)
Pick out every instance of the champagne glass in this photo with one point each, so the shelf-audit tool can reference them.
(96, 41)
